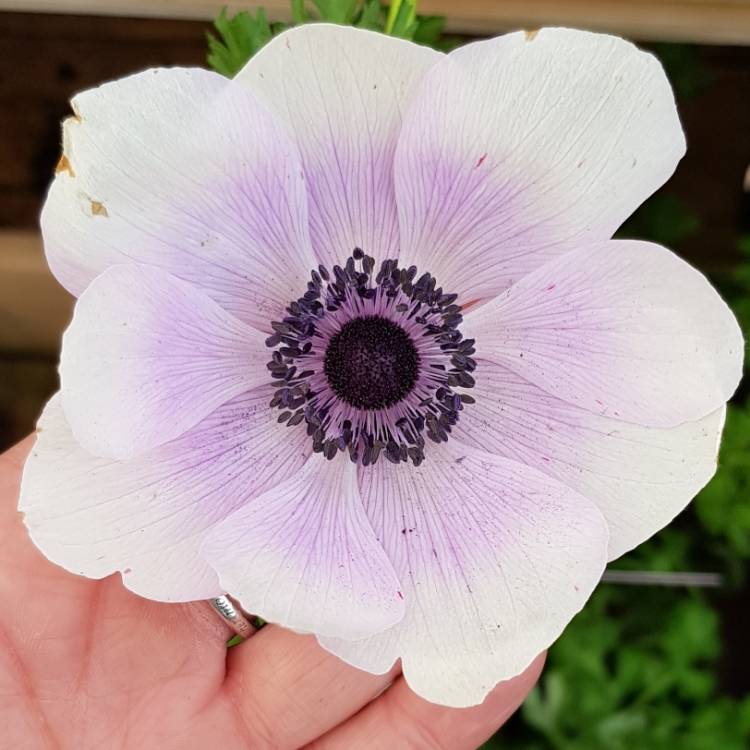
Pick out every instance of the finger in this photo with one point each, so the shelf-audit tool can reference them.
(23, 565)
(11, 463)
(288, 690)
(73, 632)
(26, 576)
(400, 718)
(19, 557)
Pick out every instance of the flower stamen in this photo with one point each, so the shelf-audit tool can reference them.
(371, 364)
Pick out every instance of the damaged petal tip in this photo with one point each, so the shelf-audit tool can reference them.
(74, 119)
(64, 165)
(531, 35)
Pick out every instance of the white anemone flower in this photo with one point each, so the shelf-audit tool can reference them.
(353, 342)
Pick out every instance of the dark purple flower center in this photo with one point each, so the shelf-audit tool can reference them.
(371, 362)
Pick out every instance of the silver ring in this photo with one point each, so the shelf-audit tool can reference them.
(232, 616)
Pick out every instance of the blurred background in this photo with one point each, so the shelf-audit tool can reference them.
(647, 666)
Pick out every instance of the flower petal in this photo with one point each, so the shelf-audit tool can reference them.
(521, 147)
(639, 477)
(495, 558)
(183, 169)
(624, 329)
(147, 356)
(304, 555)
(147, 517)
(341, 91)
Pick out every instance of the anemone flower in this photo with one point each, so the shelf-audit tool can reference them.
(353, 342)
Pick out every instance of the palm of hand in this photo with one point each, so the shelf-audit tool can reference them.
(86, 664)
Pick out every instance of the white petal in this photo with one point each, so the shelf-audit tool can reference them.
(304, 555)
(624, 329)
(342, 92)
(183, 169)
(520, 147)
(147, 356)
(494, 558)
(639, 477)
(147, 517)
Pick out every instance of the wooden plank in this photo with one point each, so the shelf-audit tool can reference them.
(34, 308)
(707, 21)
(724, 22)
(60, 55)
(26, 382)
(76, 52)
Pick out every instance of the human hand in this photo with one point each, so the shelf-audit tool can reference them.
(86, 664)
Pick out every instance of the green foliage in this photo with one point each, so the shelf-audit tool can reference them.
(738, 290)
(299, 12)
(723, 507)
(664, 219)
(683, 67)
(337, 11)
(241, 36)
(637, 668)
(402, 18)
(634, 669)
(372, 16)
(429, 31)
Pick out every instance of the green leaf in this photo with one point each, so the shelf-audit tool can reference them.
(543, 706)
(722, 505)
(299, 13)
(403, 22)
(629, 671)
(429, 30)
(684, 68)
(371, 16)
(664, 218)
(240, 37)
(616, 729)
(337, 11)
(669, 550)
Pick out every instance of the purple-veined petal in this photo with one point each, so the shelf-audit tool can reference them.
(639, 477)
(147, 517)
(624, 329)
(494, 558)
(186, 170)
(147, 356)
(342, 92)
(305, 556)
(521, 147)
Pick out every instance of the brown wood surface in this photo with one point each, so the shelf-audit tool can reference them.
(34, 308)
(46, 58)
(705, 21)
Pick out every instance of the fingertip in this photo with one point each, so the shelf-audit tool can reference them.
(13, 458)
(530, 676)
(400, 718)
(508, 695)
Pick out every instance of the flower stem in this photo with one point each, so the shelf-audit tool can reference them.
(393, 10)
